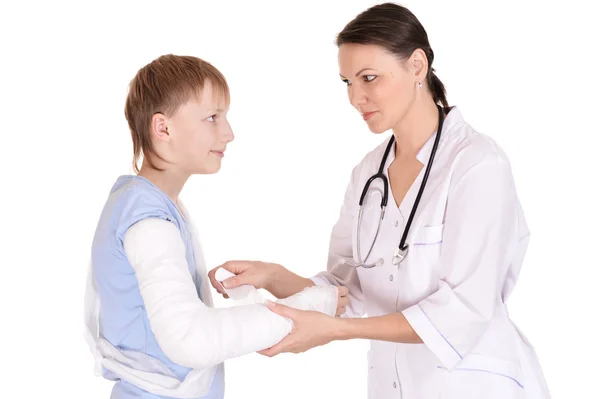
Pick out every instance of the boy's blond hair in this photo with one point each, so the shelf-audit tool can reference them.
(162, 86)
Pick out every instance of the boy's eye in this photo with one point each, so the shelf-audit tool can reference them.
(212, 118)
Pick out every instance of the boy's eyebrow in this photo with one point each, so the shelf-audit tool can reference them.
(211, 110)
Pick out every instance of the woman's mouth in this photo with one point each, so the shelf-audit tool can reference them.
(367, 115)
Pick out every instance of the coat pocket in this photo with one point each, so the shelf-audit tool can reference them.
(479, 376)
(428, 235)
(426, 244)
(424, 252)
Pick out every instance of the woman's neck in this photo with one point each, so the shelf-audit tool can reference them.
(412, 132)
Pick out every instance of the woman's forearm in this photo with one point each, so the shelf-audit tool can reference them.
(286, 283)
(392, 327)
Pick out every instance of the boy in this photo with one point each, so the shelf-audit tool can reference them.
(151, 324)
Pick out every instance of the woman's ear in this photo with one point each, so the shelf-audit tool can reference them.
(418, 65)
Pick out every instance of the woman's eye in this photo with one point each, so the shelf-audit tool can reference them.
(369, 78)
(212, 118)
(346, 81)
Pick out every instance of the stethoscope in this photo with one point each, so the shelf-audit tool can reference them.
(402, 250)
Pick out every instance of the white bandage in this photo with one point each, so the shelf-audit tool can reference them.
(316, 298)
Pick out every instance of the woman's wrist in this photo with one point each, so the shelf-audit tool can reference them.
(341, 329)
(283, 283)
(275, 271)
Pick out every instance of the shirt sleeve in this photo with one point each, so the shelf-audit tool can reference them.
(189, 332)
(340, 248)
(479, 240)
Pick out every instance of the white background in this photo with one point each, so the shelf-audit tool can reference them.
(522, 72)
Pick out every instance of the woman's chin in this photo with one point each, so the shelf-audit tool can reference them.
(378, 128)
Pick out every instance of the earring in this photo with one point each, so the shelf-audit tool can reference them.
(419, 85)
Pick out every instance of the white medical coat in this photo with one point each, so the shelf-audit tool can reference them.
(466, 247)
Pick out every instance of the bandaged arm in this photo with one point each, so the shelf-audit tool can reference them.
(189, 332)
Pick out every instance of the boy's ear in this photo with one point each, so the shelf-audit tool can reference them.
(158, 128)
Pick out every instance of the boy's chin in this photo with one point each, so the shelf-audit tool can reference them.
(208, 170)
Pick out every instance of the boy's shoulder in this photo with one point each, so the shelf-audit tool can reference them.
(132, 199)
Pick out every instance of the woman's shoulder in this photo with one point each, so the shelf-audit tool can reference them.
(468, 147)
(470, 152)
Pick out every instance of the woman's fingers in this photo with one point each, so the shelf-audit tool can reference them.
(343, 300)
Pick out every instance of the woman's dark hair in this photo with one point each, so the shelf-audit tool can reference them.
(396, 29)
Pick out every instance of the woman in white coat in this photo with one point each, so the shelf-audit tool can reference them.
(433, 272)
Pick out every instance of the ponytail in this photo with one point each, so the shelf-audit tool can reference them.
(437, 89)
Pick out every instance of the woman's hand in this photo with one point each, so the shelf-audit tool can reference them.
(311, 329)
(258, 274)
(273, 277)
(343, 300)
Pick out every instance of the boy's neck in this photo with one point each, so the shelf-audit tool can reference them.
(168, 181)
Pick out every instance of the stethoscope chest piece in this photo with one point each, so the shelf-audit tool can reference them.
(400, 255)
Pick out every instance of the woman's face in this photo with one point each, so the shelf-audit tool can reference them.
(380, 86)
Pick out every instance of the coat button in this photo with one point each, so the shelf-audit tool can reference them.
(391, 277)
(395, 385)
(396, 224)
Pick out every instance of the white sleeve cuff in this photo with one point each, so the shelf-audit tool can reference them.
(432, 337)
(356, 307)
(320, 281)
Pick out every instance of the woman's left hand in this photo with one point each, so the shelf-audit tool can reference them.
(310, 329)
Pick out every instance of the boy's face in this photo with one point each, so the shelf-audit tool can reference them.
(199, 133)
